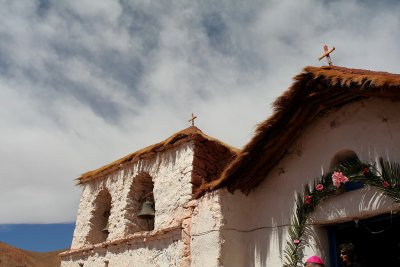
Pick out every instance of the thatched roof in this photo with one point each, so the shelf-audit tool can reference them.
(315, 91)
(187, 135)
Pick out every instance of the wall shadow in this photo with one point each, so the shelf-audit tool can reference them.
(252, 238)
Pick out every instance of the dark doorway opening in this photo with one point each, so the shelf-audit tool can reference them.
(377, 240)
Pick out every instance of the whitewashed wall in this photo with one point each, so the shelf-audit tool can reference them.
(255, 226)
(205, 245)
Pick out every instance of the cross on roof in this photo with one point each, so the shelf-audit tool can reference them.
(192, 119)
(326, 54)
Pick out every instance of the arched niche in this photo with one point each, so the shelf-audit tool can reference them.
(140, 191)
(343, 157)
(99, 222)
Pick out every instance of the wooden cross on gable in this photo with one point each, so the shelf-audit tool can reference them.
(326, 54)
(192, 119)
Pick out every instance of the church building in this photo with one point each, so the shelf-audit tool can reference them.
(320, 171)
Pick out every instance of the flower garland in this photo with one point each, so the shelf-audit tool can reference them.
(385, 178)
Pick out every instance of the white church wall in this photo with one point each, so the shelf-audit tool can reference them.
(255, 226)
(171, 173)
(205, 244)
(251, 232)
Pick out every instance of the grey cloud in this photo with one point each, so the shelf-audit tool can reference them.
(84, 82)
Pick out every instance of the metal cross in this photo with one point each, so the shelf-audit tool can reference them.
(192, 119)
(326, 54)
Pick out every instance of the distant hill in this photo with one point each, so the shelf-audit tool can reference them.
(14, 257)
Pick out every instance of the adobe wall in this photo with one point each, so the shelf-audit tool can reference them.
(164, 250)
(255, 226)
(171, 173)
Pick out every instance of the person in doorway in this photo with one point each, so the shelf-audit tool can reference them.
(314, 261)
(347, 253)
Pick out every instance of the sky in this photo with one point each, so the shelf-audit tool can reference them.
(85, 82)
(30, 236)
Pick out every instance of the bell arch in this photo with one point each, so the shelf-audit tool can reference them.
(140, 204)
(99, 221)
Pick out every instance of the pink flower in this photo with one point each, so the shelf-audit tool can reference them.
(366, 170)
(338, 178)
(319, 187)
(308, 199)
(385, 184)
(296, 241)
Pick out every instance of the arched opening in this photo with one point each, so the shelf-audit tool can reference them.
(342, 157)
(141, 205)
(99, 222)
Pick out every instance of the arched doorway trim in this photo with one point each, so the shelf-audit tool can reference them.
(385, 177)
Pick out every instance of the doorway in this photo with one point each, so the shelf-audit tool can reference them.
(377, 240)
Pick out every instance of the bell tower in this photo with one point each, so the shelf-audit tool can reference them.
(138, 208)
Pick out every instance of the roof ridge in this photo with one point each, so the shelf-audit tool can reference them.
(315, 90)
(176, 138)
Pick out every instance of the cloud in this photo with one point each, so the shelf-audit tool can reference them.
(83, 83)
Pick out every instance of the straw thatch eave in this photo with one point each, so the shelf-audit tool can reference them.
(315, 91)
(187, 135)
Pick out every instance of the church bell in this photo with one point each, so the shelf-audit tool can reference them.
(147, 211)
